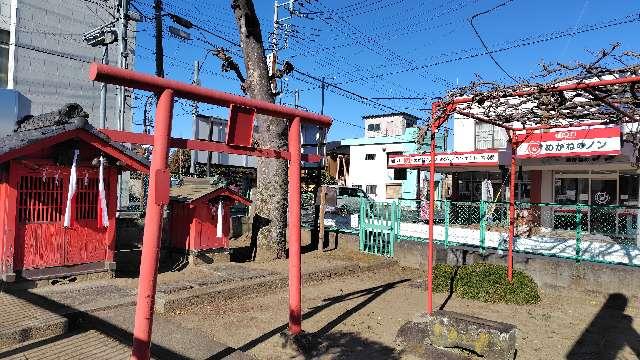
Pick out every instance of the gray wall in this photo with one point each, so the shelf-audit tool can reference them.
(219, 134)
(52, 60)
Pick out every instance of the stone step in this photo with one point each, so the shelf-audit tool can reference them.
(23, 321)
(86, 345)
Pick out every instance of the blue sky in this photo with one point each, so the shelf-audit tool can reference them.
(389, 48)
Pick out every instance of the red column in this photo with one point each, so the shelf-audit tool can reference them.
(295, 309)
(432, 175)
(158, 197)
(512, 208)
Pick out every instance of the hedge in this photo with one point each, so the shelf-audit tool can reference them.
(487, 283)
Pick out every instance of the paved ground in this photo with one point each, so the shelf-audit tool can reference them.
(84, 345)
(353, 305)
(106, 306)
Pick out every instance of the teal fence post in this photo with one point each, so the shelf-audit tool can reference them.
(483, 223)
(361, 224)
(446, 223)
(395, 226)
(578, 232)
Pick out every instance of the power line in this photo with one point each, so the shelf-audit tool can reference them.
(484, 45)
(635, 18)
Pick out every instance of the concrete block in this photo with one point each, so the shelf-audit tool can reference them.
(448, 329)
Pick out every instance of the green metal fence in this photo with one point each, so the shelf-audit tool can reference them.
(379, 226)
(607, 234)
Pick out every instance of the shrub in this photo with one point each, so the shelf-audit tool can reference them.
(487, 283)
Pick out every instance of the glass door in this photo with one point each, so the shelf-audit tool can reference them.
(604, 192)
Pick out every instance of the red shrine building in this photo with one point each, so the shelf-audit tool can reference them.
(200, 216)
(36, 166)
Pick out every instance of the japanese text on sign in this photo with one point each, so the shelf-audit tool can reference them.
(451, 159)
(580, 142)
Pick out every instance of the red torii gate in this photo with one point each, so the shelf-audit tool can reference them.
(239, 135)
(440, 112)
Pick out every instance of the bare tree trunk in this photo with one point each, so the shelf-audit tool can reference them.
(270, 198)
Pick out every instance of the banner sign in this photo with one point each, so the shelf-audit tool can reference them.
(569, 142)
(484, 158)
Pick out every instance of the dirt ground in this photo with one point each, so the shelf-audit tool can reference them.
(357, 317)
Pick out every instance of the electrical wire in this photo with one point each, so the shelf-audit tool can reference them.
(484, 45)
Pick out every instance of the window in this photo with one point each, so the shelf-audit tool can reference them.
(4, 58)
(490, 137)
(357, 186)
(347, 191)
(399, 174)
(628, 189)
(372, 189)
(572, 190)
(40, 199)
(373, 127)
(394, 191)
(370, 156)
(87, 199)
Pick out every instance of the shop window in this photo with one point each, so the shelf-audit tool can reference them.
(571, 191)
(629, 190)
(40, 200)
(370, 156)
(372, 189)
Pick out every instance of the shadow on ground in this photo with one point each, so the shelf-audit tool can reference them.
(341, 345)
(80, 321)
(608, 333)
(348, 345)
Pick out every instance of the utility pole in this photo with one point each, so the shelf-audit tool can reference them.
(157, 6)
(280, 24)
(296, 100)
(122, 57)
(195, 128)
(123, 28)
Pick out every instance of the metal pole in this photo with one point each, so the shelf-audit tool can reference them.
(195, 128)
(295, 308)
(158, 197)
(512, 207)
(103, 91)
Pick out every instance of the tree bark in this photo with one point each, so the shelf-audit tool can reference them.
(270, 197)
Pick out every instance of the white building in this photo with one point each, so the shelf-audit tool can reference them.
(385, 135)
(392, 124)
